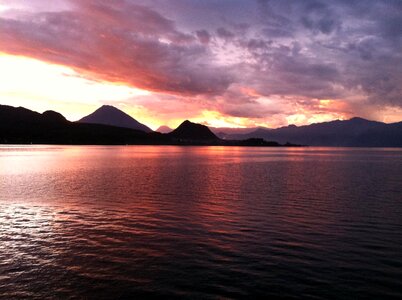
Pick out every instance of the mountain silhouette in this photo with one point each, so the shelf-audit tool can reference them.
(16, 117)
(110, 115)
(356, 132)
(164, 129)
(19, 125)
(193, 132)
(225, 132)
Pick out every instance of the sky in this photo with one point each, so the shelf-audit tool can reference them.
(223, 63)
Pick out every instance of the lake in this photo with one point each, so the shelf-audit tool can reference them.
(200, 222)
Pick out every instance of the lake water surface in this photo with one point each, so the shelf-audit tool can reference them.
(200, 222)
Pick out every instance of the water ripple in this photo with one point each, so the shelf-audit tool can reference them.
(200, 222)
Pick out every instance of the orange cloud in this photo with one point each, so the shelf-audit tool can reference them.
(226, 73)
(118, 42)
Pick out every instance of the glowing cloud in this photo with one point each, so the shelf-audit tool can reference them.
(41, 86)
(235, 63)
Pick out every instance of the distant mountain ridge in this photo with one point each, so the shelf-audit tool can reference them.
(356, 132)
(22, 126)
(164, 129)
(110, 115)
(224, 132)
(19, 125)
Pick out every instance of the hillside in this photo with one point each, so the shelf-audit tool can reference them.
(110, 115)
(356, 132)
(188, 131)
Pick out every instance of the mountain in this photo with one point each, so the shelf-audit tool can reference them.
(189, 131)
(356, 132)
(110, 115)
(19, 125)
(17, 116)
(164, 129)
(224, 132)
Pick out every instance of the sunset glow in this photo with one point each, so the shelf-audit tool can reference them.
(162, 65)
(41, 86)
(200, 149)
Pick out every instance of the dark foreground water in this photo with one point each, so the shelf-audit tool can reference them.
(200, 222)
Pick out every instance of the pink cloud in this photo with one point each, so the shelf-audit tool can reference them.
(258, 63)
(117, 41)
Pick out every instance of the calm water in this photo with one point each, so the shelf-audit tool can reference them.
(200, 222)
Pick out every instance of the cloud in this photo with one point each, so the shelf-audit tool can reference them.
(117, 41)
(203, 36)
(319, 18)
(224, 33)
(211, 54)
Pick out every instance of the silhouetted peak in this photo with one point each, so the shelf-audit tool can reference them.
(193, 131)
(110, 115)
(190, 124)
(164, 129)
(187, 122)
(108, 107)
(358, 119)
(260, 129)
(52, 116)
